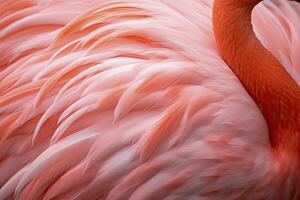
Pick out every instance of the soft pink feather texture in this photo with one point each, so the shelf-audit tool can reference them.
(125, 99)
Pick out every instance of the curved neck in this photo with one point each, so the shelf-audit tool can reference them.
(272, 88)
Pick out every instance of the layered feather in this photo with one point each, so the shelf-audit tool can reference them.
(130, 100)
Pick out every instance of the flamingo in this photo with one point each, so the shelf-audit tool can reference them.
(148, 99)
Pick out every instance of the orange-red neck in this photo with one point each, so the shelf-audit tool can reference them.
(265, 79)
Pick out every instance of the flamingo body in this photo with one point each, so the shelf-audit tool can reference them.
(131, 100)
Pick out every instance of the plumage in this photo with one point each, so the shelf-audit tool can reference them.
(125, 99)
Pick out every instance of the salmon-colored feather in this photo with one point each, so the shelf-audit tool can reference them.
(126, 99)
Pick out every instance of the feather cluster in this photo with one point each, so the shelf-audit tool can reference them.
(129, 99)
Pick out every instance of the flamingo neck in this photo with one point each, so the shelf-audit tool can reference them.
(272, 88)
